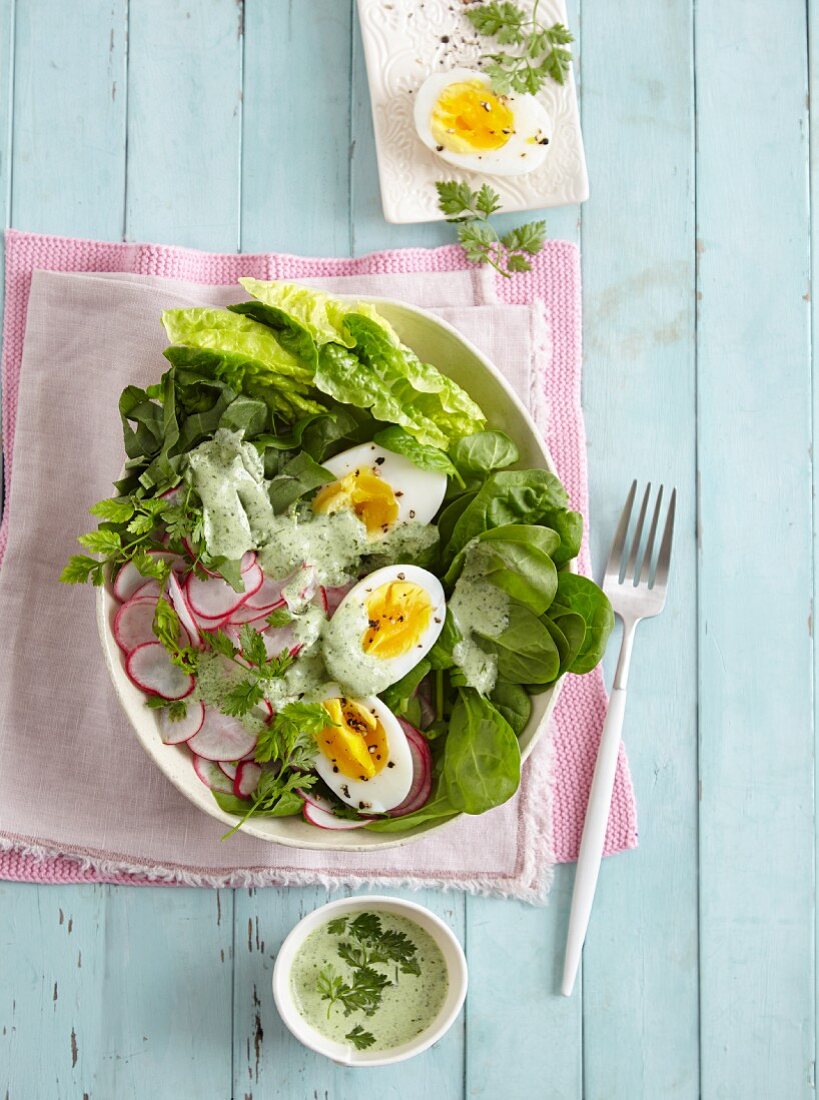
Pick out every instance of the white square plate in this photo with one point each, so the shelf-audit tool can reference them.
(405, 41)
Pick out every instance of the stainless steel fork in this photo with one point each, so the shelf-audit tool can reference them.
(636, 587)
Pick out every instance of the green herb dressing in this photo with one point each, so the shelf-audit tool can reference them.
(407, 1008)
(229, 477)
(477, 605)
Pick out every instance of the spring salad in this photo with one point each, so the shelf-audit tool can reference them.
(334, 584)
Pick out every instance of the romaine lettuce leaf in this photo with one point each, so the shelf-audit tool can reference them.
(221, 330)
(359, 360)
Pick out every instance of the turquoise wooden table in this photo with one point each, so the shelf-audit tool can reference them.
(225, 125)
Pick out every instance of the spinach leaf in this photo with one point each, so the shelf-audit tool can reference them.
(482, 452)
(568, 630)
(517, 558)
(343, 427)
(569, 527)
(508, 496)
(481, 756)
(579, 594)
(245, 414)
(440, 656)
(452, 513)
(426, 458)
(512, 702)
(301, 475)
(438, 808)
(526, 652)
(399, 694)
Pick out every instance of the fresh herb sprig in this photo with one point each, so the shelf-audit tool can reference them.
(471, 211)
(368, 944)
(541, 54)
(360, 1038)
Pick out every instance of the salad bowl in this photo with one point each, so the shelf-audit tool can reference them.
(433, 341)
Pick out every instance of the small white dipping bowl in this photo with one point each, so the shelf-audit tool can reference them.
(444, 938)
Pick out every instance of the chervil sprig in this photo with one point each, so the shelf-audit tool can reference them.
(540, 53)
(470, 210)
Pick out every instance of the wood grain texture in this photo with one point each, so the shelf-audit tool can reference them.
(754, 445)
(68, 155)
(184, 121)
(639, 397)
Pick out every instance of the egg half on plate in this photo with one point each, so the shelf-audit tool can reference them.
(363, 754)
(459, 117)
(383, 627)
(383, 488)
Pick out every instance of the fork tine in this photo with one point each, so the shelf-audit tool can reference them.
(638, 534)
(618, 543)
(645, 564)
(664, 560)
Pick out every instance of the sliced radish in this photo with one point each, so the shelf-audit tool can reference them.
(268, 707)
(181, 607)
(335, 595)
(149, 590)
(212, 775)
(322, 600)
(222, 737)
(247, 779)
(267, 595)
(229, 769)
(248, 561)
(128, 580)
(172, 495)
(317, 800)
(150, 668)
(174, 733)
(325, 820)
(421, 786)
(213, 598)
(248, 614)
(177, 562)
(279, 638)
(134, 623)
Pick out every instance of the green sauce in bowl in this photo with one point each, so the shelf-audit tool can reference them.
(369, 980)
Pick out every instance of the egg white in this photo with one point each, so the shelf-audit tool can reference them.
(522, 153)
(419, 493)
(362, 673)
(391, 785)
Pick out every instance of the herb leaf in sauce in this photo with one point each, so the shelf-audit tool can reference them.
(360, 1038)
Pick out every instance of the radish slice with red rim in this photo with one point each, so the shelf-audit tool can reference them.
(248, 561)
(326, 820)
(181, 607)
(174, 733)
(247, 779)
(134, 623)
(268, 594)
(222, 738)
(335, 595)
(317, 800)
(421, 786)
(212, 775)
(213, 598)
(128, 580)
(248, 614)
(150, 668)
(229, 769)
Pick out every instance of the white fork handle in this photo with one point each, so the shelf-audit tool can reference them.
(594, 837)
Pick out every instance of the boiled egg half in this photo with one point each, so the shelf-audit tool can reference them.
(460, 118)
(383, 627)
(382, 488)
(363, 755)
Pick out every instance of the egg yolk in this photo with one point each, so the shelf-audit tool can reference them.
(356, 743)
(468, 118)
(398, 614)
(368, 495)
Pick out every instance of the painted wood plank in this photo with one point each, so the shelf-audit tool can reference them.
(756, 708)
(296, 133)
(813, 75)
(115, 992)
(269, 1062)
(640, 982)
(68, 164)
(184, 122)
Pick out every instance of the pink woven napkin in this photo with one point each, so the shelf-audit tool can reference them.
(530, 325)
